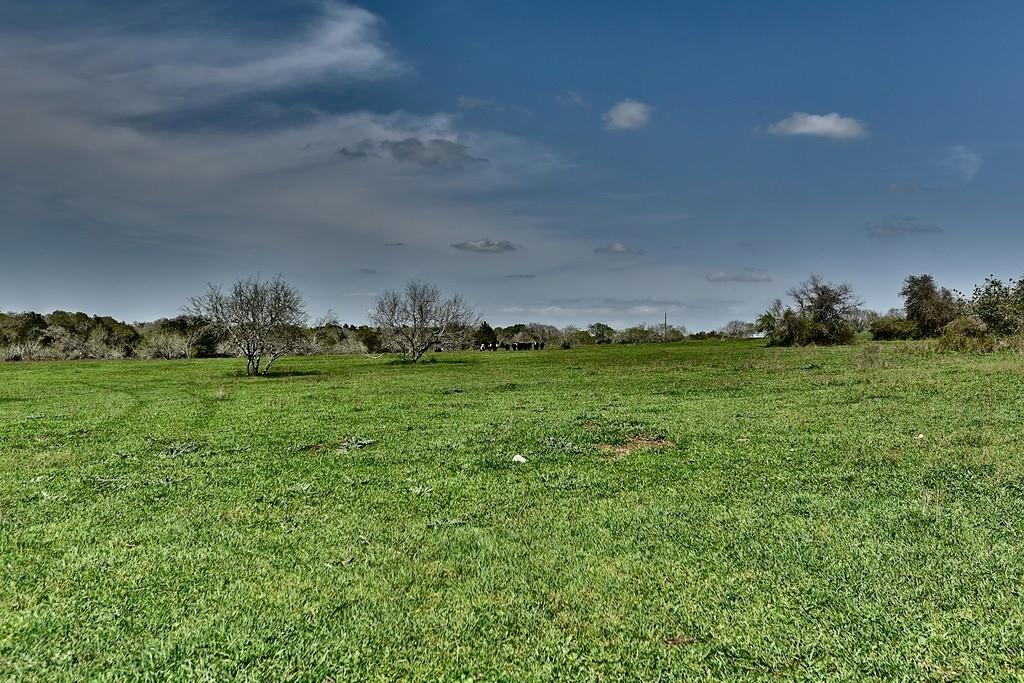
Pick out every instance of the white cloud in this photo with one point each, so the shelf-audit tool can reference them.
(627, 115)
(108, 144)
(899, 226)
(617, 248)
(117, 73)
(831, 126)
(486, 246)
(963, 162)
(745, 275)
(571, 98)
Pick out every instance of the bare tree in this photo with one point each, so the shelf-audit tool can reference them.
(738, 329)
(822, 315)
(261, 320)
(417, 319)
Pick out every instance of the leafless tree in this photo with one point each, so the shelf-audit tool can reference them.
(738, 329)
(164, 344)
(416, 319)
(262, 320)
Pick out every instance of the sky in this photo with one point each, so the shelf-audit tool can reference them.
(563, 163)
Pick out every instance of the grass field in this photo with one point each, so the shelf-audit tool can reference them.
(696, 510)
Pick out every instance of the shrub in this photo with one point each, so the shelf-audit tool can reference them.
(888, 328)
(999, 305)
(822, 315)
(967, 334)
(164, 345)
(930, 307)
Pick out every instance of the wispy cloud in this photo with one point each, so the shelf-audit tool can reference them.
(899, 226)
(470, 102)
(615, 248)
(594, 307)
(134, 74)
(627, 115)
(745, 275)
(831, 126)
(571, 98)
(962, 162)
(486, 246)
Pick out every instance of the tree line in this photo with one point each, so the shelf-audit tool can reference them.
(263, 320)
(824, 313)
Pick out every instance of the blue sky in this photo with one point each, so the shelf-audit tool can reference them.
(557, 162)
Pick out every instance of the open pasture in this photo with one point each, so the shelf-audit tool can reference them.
(696, 510)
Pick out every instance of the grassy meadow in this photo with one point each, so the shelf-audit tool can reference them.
(702, 510)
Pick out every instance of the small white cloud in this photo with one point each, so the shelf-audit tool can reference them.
(627, 115)
(963, 162)
(571, 98)
(745, 275)
(831, 126)
(899, 226)
(617, 248)
(485, 246)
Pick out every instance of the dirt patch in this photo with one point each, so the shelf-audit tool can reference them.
(633, 444)
(681, 639)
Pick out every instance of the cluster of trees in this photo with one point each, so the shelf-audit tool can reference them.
(64, 335)
(262, 320)
(825, 313)
(822, 313)
(572, 336)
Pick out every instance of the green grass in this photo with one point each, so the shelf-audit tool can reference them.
(817, 514)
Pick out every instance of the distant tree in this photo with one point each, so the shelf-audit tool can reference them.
(927, 305)
(771, 323)
(891, 326)
(164, 344)
(369, 338)
(417, 319)
(999, 305)
(738, 329)
(861, 319)
(261, 320)
(572, 336)
(28, 327)
(505, 334)
(484, 335)
(821, 315)
(549, 334)
(201, 337)
(601, 333)
(650, 334)
(673, 333)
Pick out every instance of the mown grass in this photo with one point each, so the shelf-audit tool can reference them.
(794, 514)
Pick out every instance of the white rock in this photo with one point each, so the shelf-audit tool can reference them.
(518, 459)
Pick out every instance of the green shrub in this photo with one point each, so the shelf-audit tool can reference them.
(999, 305)
(888, 328)
(967, 334)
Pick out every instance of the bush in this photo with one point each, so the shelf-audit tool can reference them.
(889, 328)
(999, 305)
(929, 306)
(823, 315)
(967, 334)
(164, 345)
